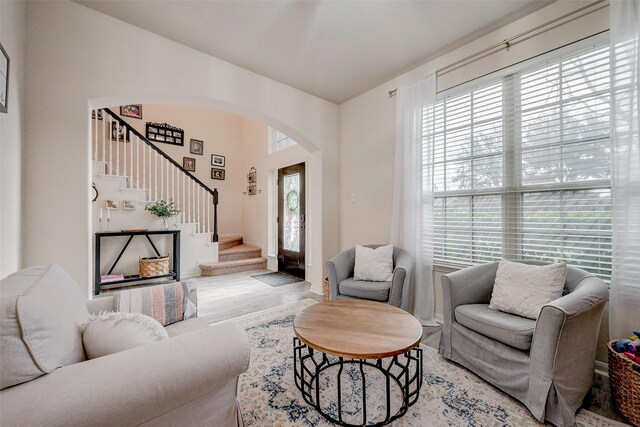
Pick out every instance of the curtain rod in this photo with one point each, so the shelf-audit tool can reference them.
(506, 43)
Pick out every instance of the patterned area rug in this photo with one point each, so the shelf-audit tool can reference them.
(450, 395)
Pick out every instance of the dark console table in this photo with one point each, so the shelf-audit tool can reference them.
(173, 274)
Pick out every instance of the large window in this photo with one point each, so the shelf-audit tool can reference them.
(522, 164)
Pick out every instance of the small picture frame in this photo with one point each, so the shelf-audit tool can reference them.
(196, 147)
(134, 110)
(252, 190)
(189, 164)
(251, 177)
(4, 79)
(119, 132)
(100, 114)
(112, 204)
(217, 160)
(128, 205)
(217, 174)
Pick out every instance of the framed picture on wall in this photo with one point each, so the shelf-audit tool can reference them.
(217, 160)
(134, 111)
(4, 79)
(129, 205)
(99, 117)
(112, 204)
(189, 164)
(196, 147)
(217, 174)
(119, 132)
(162, 132)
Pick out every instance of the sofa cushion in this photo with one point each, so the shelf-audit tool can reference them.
(112, 332)
(373, 264)
(186, 326)
(41, 310)
(509, 329)
(523, 289)
(376, 291)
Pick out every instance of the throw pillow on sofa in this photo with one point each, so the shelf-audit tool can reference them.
(41, 310)
(523, 289)
(111, 332)
(373, 265)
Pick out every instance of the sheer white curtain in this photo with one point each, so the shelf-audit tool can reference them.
(412, 217)
(624, 303)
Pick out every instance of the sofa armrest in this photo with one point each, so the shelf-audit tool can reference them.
(339, 268)
(564, 343)
(132, 386)
(471, 285)
(401, 275)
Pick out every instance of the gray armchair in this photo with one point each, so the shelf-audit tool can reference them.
(343, 286)
(547, 364)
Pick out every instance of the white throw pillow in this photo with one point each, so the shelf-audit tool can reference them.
(524, 289)
(111, 332)
(374, 265)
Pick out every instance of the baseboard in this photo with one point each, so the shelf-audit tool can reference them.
(602, 368)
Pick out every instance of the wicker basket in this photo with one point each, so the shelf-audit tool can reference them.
(325, 288)
(624, 377)
(154, 266)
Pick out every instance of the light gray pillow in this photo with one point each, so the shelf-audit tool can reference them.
(41, 310)
(111, 332)
(523, 289)
(373, 265)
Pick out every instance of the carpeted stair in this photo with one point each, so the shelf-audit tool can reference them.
(234, 256)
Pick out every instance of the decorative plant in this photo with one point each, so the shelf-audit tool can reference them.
(162, 209)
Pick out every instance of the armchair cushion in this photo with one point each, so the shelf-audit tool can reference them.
(509, 329)
(524, 289)
(373, 264)
(111, 332)
(376, 291)
(41, 310)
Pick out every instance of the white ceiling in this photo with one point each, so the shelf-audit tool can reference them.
(332, 49)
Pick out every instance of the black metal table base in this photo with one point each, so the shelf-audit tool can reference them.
(308, 369)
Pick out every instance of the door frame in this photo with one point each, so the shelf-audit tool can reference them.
(281, 253)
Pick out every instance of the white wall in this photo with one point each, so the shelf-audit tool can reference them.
(368, 123)
(12, 36)
(78, 59)
(221, 133)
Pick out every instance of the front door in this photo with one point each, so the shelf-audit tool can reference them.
(291, 220)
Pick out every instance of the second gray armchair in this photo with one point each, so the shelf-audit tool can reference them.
(343, 286)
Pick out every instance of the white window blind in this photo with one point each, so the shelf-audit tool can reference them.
(522, 165)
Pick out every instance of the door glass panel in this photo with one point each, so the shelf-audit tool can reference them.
(291, 240)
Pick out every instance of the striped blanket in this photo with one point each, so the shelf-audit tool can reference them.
(166, 303)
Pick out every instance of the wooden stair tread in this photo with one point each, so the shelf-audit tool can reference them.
(244, 247)
(234, 263)
(226, 238)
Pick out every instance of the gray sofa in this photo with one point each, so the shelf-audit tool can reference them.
(547, 364)
(343, 286)
(189, 379)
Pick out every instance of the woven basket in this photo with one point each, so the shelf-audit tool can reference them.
(624, 377)
(325, 288)
(154, 266)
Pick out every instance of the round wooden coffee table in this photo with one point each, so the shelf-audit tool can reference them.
(363, 333)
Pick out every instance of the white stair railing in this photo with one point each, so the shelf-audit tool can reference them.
(130, 155)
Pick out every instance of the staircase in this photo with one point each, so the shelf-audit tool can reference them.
(234, 256)
(126, 163)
